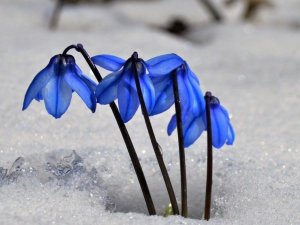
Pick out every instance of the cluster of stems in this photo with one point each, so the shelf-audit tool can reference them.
(132, 152)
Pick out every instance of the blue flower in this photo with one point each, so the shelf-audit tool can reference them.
(120, 84)
(192, 103)
(222, 130)
(56, 83)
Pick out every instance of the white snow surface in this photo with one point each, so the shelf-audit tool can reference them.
(254, 69)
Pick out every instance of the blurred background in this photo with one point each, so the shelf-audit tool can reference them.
(247, 52)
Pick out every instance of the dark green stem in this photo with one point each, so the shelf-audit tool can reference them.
(154, 143)
(131, 150)
(209, 159)
(184, 208)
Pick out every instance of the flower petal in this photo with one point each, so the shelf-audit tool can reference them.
(107, 89)
(108, 62)
(164, 97)
(57, 96)
(127, 97)
(224, 111)
(163, 64)
(198, 104)
(191, 74)
(193, 131)
(230, 135)
(39, 96)
(219, 126)
(185, 92)
(76, 82)
(148, 91)
(172, 125)
(89, 82)
(92, 84)
(39, 81)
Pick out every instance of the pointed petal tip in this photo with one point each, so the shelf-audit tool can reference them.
(172, 125)
(93, 102)
(186, 145)
(229, 143)
(24, 107)
(93, 109)
(154, 112)
(55, 115)
(218, 147)
(125, 118)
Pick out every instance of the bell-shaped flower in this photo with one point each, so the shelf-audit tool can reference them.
(56, 83)
(222, 130)
(192, 103)
(120, 84)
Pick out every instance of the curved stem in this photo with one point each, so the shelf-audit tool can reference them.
(131, 150)
(184, 208)
(154, 143)
(209, 159)
(69, 48)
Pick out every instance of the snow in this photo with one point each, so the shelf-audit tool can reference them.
(252, 67)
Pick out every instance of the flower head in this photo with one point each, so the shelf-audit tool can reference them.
(162, 69)
(120, 84)
(222, 130)
(56, 83)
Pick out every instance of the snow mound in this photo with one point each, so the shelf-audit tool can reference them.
(37, 191)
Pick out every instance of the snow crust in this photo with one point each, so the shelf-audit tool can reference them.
(252, 67)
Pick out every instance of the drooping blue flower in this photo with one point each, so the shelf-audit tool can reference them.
(56, 83)
(192, 103)
(222, 130)
(120, 84)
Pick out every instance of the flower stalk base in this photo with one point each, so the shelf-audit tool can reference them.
(184, 208)
(209, 159)
(154, 143)
(130, 147)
